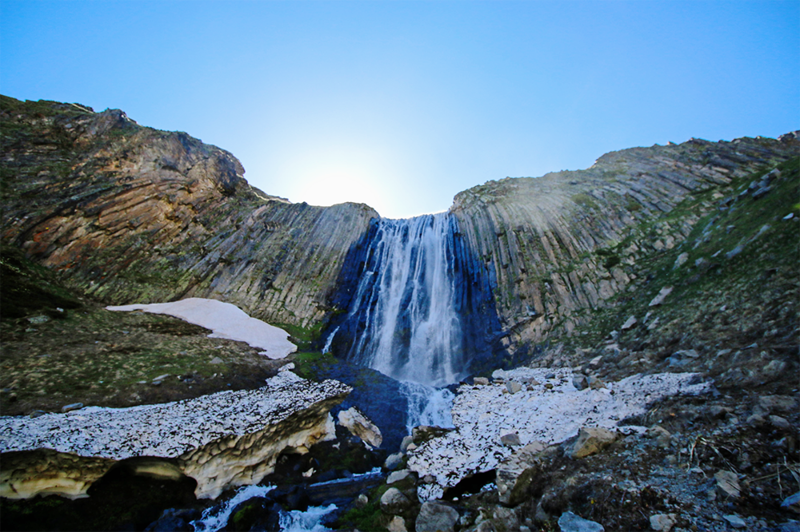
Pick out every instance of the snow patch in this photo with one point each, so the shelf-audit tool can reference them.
(226, 321)
(483, 414)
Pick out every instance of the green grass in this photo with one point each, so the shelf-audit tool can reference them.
(717, 278)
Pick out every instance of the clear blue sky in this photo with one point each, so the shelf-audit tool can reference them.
(401, 105)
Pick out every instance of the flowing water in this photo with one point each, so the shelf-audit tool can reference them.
(403, 318)
(216, 517)
(404, 311)
(308, 521)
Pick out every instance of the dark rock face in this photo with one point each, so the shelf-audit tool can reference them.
(131, 214)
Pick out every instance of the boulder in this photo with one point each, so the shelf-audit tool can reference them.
(393, 501)
(510, 440)
(397, 524)
(398, 476)
(592, 440)
(407, 440)
(727, 484)
(513, 386)
(663, 522)
(436, 517)
(515, 474)
(393, 461)
(662, 295)
(71, 407)
(735, 521)
(777, 403)
(569, 522)
(480, 381)
(792, 503)
(629, 323)
(424, 433)
(359, 425)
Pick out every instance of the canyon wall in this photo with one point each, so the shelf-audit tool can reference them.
(555, 247)
(130, 214)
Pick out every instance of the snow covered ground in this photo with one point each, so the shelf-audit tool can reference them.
(483, 414)
(168, 429)
(226, 321)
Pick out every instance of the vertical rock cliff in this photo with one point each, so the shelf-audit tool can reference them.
(555, 247)
(132, 214)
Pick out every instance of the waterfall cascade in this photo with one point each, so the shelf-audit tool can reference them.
(403, 316)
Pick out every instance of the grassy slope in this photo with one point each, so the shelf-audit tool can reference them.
(742, 301)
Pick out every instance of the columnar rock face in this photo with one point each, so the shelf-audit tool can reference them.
(553, 247)
(135, 215)
(132, 214)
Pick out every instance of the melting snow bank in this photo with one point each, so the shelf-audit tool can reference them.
(221, 440)
(226, 321)
(550, 410)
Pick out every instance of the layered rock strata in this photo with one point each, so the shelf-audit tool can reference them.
(553, 247)
(132, 214)
(221, 440)
(490, 423)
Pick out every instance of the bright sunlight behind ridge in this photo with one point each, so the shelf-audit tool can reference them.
(400, 105)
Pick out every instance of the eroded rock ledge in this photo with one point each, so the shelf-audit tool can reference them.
(221, 440)
(529, 405)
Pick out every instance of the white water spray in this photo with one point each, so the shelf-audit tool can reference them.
(404, 306)
(216, 517)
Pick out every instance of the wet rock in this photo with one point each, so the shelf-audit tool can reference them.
(436, 517)
(569, 522)
(727, 484)
(663, 522)
(359, 425)
(789, 526)
(592, 440)
(792, 503)
(393, 501)
(397, 524)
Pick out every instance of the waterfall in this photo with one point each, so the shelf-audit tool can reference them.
(403, 317)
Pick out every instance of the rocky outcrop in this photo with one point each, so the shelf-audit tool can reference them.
(220, 440)
(132, 214)
(554, 247)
